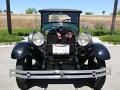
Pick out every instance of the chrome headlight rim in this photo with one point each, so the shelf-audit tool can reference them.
(84, 39)
(36, 38)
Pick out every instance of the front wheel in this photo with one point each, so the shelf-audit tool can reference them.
(23, 64)
(97, 83)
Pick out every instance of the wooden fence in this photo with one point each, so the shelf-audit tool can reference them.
(33, 21)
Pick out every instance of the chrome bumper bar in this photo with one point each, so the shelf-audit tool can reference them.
(60, 74)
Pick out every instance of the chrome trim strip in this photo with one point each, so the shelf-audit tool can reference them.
(59, 71)
(60, 74)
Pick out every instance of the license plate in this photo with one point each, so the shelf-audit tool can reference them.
(61, 49)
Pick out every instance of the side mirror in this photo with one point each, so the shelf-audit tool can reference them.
(85, 27)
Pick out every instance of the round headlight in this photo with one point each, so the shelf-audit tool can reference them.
(84, 39)
(38, 38)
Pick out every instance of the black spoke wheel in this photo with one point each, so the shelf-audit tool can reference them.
(97, 83)
(23, 64)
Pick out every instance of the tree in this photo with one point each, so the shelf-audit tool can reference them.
(31, 11)
(0, 11)
(103, 12)
(114, 17)
(89, 13)
(118, 12)
(5, 11)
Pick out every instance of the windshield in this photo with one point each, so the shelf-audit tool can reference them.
(68, 17)
(59, 18)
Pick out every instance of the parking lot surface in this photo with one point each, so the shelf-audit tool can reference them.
(7, 83)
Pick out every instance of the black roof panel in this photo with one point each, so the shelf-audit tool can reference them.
(60, 10)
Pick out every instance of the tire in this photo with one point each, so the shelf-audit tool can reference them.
(23, 64)
(97, 83)
(97, 89)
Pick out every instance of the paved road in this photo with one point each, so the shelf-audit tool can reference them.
(7, 83)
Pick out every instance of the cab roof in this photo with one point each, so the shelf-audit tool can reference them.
(60, 10)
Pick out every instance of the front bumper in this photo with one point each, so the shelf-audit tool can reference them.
(60, 74)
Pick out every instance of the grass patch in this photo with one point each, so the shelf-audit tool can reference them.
(9, 38)
(105, 36)
(15, 37)
(115, 39)
(99, 32)
(22, 32)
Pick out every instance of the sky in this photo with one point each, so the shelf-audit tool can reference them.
(95, 6)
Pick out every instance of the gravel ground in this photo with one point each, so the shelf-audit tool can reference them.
(7, 83)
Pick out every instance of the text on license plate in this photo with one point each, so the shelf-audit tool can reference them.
(61, 49)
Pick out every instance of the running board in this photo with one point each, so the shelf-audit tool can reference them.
(60, 74)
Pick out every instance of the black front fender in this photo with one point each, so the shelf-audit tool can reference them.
(101, 52)
(21, 50)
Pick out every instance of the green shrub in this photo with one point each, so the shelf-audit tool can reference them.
(100, 26)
